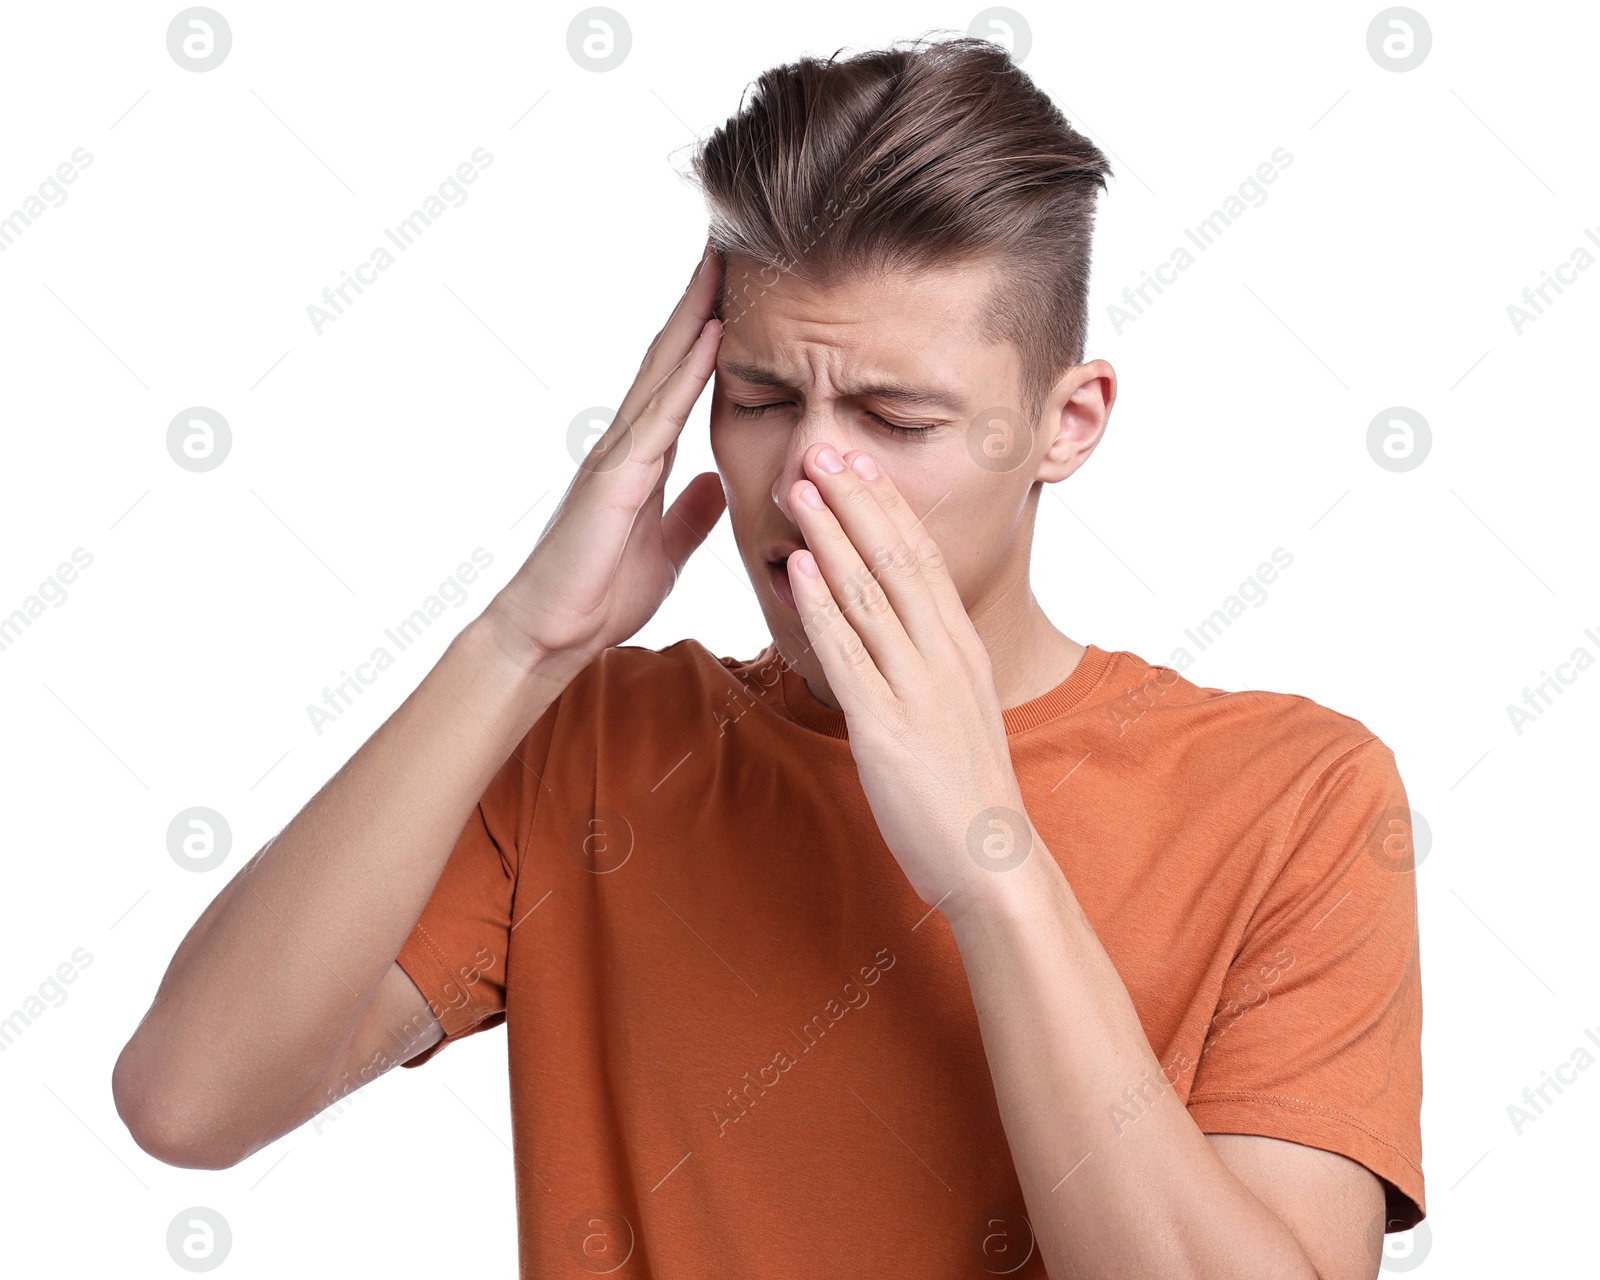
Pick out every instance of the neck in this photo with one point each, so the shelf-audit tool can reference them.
(1032, 663)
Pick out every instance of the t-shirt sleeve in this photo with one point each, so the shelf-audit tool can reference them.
(456, 953)
(1317, 1035)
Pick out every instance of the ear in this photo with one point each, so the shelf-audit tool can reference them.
(1076, 412)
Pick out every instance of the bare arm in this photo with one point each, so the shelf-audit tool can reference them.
(286, 986)
(264, 997)
(1083, 1097)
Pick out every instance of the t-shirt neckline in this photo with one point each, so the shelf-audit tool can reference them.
(803, 707)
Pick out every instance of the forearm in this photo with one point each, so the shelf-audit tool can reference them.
(274, 976)
(1118, 1179)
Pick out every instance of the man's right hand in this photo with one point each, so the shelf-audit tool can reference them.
(609, 556)
(289, 983)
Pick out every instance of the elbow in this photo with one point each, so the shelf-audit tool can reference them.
(156, 1124)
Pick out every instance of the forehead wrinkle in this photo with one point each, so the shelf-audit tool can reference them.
(933, 393)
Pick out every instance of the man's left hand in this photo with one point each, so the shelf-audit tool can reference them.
(912, 678)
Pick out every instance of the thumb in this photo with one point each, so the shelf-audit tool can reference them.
(692, 515)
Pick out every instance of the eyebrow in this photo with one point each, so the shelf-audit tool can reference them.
(888, 389)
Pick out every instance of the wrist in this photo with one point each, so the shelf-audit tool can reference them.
(498, 634)
(530, 675)
(994, 899)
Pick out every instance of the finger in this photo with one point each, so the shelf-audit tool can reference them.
(661, 420)
(851, 671)
(930, 556)
(618, 478)
(677, 335)
(852, 586)
(691, 517)
(894, 564)
(630, 451)
(659, 492)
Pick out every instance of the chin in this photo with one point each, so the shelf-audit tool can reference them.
(792, 645)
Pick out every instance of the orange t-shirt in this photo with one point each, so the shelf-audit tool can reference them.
(740, 1044)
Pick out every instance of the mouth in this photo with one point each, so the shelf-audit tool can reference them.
(778, 576)
(778, 572)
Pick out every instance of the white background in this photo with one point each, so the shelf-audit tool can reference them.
(431, 419)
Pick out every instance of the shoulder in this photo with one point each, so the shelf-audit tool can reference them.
(1260, 730)
(679, 685)
(1284, 764)
(636, 668)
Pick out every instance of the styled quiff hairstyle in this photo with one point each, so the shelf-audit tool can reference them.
(904, 159)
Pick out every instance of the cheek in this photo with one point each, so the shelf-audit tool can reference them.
(718, 444)
(969, 529)
(746, 481)
(727, 451)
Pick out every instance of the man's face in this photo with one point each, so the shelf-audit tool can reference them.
(829, 357)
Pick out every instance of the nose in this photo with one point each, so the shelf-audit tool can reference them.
(813, 427)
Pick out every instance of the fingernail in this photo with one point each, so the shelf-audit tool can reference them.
(810, 495)
(864, 467)
(829, 460)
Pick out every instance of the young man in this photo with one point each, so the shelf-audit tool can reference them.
(927, 942)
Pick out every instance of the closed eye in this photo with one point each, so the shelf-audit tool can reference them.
(756, 410)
